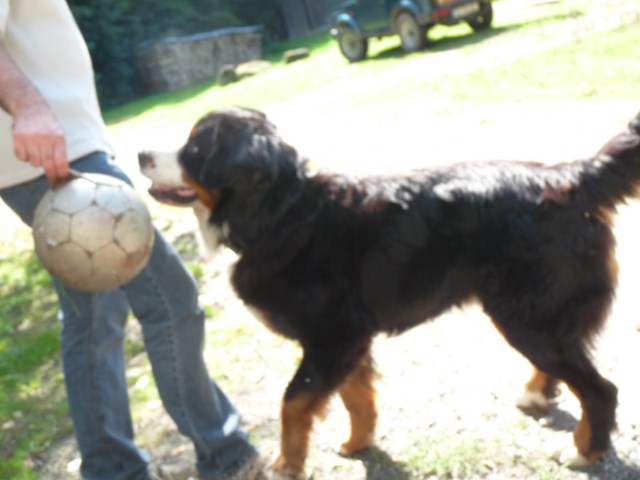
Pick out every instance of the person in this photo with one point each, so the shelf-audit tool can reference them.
(50, 117)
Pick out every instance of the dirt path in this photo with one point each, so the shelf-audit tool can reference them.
(448, 388)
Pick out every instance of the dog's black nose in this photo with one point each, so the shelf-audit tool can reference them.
(145, 159)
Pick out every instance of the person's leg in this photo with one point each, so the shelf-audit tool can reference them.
(94, 370)
(93, 364)
(164, 298)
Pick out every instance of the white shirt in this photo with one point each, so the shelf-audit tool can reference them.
(44, 41)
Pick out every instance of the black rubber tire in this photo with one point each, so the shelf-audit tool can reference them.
(484, 18)
(352, 45)
(412, 35)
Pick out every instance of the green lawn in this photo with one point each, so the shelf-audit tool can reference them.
(603, 66)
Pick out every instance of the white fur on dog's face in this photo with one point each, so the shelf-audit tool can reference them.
(163, 169)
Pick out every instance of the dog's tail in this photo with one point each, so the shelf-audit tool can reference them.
(613, 174)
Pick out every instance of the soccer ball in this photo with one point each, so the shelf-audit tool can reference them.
(93, 233)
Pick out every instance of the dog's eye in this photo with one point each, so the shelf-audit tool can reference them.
(193, 149)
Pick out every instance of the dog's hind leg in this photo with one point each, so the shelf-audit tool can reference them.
(539, 391)
(540, 388)
(322, 370)
(598, 400)
(567, 360)
(359, 397)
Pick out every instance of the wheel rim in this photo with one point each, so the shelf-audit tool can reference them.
(351, 44)
(409, 32)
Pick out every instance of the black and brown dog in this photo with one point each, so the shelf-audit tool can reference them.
(330, 261)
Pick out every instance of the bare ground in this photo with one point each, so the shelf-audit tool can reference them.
(448, 388)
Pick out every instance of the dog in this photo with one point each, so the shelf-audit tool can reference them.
(330, 261)
(169, 188)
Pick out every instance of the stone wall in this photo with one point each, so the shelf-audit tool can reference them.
(177, 62)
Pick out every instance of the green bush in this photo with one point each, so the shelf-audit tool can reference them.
(113, 30)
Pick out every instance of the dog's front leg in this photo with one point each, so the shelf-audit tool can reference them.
(306, 396)
(325, 368)
(297, 420)
(359, 396)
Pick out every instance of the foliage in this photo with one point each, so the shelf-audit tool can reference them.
(114, 29)
(587, 68)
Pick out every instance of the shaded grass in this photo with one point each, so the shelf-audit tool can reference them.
(319, 44)
(33, 406)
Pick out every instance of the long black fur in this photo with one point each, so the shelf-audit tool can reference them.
(332, 260)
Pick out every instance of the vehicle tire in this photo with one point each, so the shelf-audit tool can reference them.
(412, 35)
(352, 45)
(484, 18)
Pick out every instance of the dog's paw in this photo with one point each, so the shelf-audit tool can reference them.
(282, 471)
(284, 475)
(352, 447)
(569, 456)
(534, 399)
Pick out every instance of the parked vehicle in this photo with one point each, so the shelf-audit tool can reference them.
(359, 20)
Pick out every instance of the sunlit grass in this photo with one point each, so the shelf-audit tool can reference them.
(473, 455)
(600, 66)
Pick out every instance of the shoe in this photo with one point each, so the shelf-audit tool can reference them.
(157, 476)
(174, 472)
(253, 469)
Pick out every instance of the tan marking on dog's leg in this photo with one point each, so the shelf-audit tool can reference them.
(582, 434)
(566, 453)
(297, 420)
(359, 396)
(582, 454)
(538, 391)
(579, 454)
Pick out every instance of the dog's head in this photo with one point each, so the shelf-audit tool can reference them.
(167, 186)
(237, 165)
(230, 149)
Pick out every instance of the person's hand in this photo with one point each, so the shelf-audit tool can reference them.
(39, 139)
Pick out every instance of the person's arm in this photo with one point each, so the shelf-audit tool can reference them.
(37, 134)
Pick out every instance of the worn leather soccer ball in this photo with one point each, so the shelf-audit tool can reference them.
(92, 232)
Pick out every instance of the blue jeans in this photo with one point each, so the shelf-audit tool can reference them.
(164, 299)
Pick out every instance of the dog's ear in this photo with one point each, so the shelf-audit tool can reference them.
(232, 148)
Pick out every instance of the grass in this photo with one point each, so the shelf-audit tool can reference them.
(33, 407)
(388, 76)
(598, 67)
(606, 66)
(471, 455)
(442, 456)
